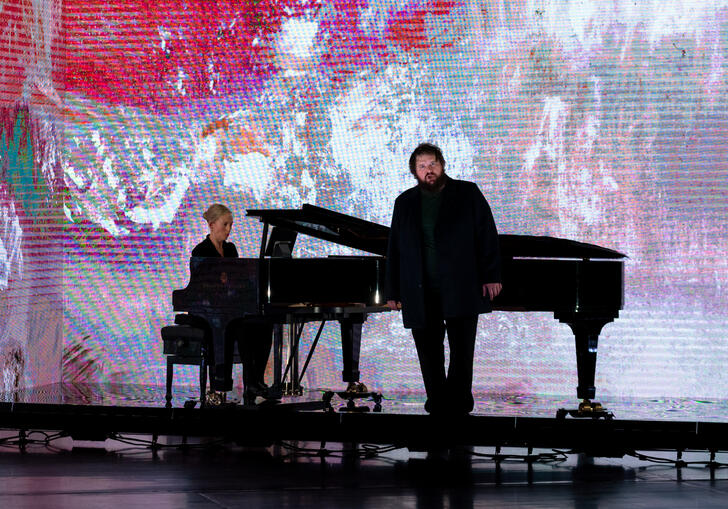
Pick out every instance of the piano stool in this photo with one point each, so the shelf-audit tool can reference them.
(186, 344)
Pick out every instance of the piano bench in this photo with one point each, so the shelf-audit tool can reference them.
(184, 345)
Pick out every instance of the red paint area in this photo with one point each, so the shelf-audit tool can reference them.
(160, 55)
(408, 28)
(141, 53)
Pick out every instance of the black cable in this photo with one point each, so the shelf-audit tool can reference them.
(555, 456)
(676, 462)
(152, 444)
(364, 451)
(24, 438)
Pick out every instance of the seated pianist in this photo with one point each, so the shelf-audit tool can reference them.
(253, 339)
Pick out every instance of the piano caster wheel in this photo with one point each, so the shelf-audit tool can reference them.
(377, 398)
(326, 398)
(352, 408)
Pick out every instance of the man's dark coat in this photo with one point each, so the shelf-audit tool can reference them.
(466, 241)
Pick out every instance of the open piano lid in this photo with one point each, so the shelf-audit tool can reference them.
(329, 225)
(372, 237)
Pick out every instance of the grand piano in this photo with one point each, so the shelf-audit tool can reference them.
(582, 284)
(282, 290)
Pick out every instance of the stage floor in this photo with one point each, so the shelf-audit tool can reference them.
(114, 446)
(494, 405)
(99, 411)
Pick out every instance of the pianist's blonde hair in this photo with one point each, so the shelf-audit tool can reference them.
(213, 213)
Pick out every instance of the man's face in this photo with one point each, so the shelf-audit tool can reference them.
(429, 172)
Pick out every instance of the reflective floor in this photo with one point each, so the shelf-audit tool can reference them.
(519, 405)
(212, 475)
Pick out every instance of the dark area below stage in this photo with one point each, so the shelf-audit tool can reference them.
(213, 474)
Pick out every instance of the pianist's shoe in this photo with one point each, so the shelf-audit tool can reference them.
(216, 398)
(221, 398)
(356, 387)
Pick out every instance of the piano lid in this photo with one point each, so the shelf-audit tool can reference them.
(531, 246)
(329, 225)
(372, 237)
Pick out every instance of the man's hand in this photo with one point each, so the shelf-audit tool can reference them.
(394, 305)
(492, 290)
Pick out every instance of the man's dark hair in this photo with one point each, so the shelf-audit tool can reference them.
(425, 148)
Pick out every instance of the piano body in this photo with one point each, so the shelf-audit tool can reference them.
(582, 284)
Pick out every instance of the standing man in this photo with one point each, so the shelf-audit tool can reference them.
(443, 270)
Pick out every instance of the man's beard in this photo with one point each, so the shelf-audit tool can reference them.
(433, 187)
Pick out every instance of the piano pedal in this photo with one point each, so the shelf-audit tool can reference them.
(587, 408)
(291, 389)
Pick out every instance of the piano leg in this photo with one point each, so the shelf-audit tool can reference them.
(586, 331)
(295, 330)
(351, 346)
(203, 377)
(170, 377)
(277, 355)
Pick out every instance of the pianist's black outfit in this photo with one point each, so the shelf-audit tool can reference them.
(253, 338)
(206, 249)
(442, 248)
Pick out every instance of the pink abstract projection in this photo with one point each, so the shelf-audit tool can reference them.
(31, 195)
(159, 55)
(599, 125)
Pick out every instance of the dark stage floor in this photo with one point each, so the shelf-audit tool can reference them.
(215, 476)
(113, 446)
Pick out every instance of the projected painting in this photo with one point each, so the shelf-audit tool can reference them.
(602, 123)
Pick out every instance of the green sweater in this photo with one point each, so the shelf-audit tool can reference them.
(430, 210)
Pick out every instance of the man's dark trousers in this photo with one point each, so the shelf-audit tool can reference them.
(451, 393)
